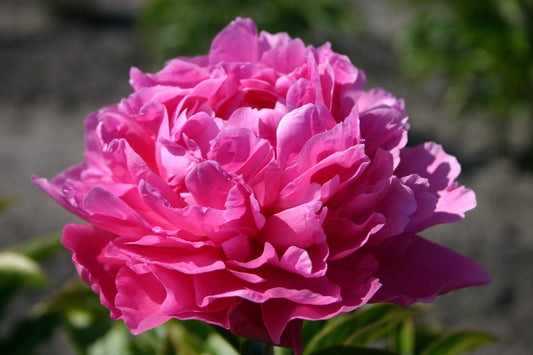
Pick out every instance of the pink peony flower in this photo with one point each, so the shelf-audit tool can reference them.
(255, 187)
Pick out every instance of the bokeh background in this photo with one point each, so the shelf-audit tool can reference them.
(465, 69)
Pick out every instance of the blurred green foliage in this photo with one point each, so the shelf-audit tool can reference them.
(483, 50)
(171, 28)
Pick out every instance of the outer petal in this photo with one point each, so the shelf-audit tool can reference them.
(95, 268)
(429, 161)
(177, 72)
(384, 128)
(139, 298)
(236, 43)
(413, 269)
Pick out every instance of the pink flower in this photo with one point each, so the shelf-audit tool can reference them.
(255, 187)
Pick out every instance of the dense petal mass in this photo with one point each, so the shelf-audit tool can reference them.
(255, 187)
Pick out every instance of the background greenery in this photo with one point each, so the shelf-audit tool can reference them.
(483, 50)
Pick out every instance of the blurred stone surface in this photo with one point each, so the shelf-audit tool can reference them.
(55, 72)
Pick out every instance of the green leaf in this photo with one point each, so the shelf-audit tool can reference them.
(405, 337)
(311, 328)
(361, 327)
(351, 350)
(458, 342)
(182, 341)
(19, 270)
(217, 345)
(115, 341)
(278, 350)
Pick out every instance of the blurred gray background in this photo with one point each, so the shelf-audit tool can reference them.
(55, 69)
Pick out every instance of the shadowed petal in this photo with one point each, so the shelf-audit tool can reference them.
(421, 270)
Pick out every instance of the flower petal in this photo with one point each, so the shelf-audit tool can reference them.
(421, 270)
(236, 43)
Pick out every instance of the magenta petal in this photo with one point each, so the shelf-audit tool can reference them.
(139, 298)
(285, 58)
(209, 184)
(423, 270)
(384, 128)
(378, 97)
(236, 43)
(310, 262)
(175, 162)
(238, 150)
(54, 188)
(299, 226)
(359, 286)
(201, 128)
(96, 269)
(429, 161)
(175, 257)
(177, 72)
(345, 237)
(301, 93)
(297, 127)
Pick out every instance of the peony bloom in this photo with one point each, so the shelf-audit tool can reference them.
(255, 187)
